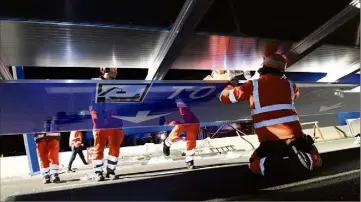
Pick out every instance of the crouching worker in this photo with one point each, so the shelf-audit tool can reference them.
(47, 146)
(275, 119)
(191, 125)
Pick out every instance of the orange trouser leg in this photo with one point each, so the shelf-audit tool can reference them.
(192, 132)
(255, 163)
(53, 146)
(114, 141)
(174, 134)
(100, 140)
(42, 150)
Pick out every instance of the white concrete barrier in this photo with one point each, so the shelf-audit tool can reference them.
(18, 166)
(354, 126)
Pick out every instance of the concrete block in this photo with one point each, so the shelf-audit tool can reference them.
(333, 133)
(354, 126)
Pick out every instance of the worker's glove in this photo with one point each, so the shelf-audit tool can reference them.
(233, 82)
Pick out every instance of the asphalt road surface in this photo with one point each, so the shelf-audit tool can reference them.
(339, 179)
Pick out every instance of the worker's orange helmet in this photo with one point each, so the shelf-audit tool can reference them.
(276, 61)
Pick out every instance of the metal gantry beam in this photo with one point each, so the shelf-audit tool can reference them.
(4, 71)
(353, 69)
(183, 28)
(344, 72)
(314, 40)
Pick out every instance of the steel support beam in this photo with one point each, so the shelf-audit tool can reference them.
(314, 40)
(4, 71)
(183, 28)
(339, 75)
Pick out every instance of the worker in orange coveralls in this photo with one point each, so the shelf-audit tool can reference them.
(102, 118)
(76, 145)
(47, 146)
(275, 119)
(191, 125)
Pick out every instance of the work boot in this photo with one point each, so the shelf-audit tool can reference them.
(166, 149)
(99, 176)
(55, 178)
(70, 170)
(46, 179)
(190, 164)
(111, 175)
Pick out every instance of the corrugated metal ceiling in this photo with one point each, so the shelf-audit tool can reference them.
(327, 58)
(35, 44)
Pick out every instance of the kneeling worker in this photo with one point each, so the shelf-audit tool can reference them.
(275, 119)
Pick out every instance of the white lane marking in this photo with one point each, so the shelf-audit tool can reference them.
(309, 181)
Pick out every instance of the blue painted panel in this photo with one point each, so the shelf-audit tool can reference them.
(343, 116)
(31, 154)
(64, 105)
(352, 78)
(305, 77)
(29, 143)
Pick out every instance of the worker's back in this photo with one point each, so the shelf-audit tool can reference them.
(273, 113)
(273, 90)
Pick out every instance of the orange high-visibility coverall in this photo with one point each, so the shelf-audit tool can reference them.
(275, 118)
(114, 137)
(76, 138)
(47, 145)
(191, 125)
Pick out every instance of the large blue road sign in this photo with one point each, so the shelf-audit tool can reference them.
(64, 105)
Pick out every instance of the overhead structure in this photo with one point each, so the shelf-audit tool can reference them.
(187, 20)
(334, 60)
(4, 71)
(343, 72)
(313, 40)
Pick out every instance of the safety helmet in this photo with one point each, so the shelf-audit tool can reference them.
(275, 61)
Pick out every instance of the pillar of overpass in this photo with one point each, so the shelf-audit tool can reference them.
(29, 143)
